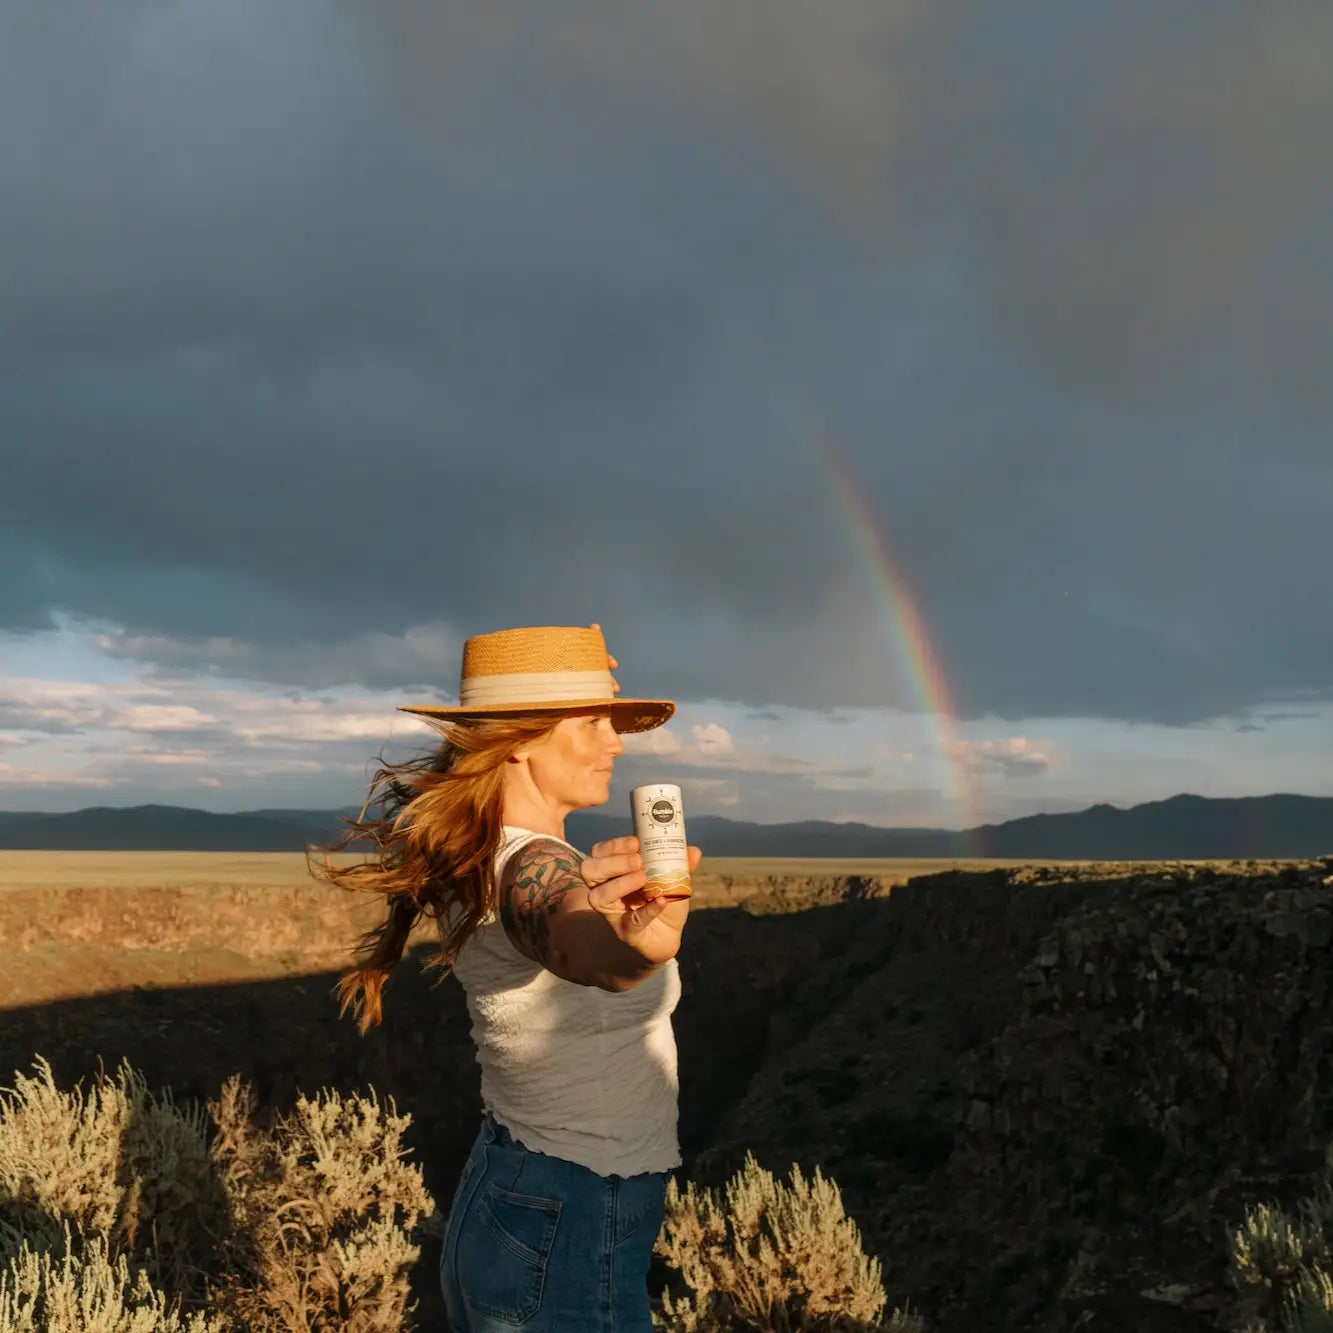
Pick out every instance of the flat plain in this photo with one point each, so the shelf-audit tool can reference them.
(75, 924)
(149, 870)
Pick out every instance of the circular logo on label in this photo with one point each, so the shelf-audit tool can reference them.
(664, 812)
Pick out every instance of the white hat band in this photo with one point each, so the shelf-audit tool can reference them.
(532, 687)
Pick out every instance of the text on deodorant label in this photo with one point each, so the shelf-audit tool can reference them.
(659, 825)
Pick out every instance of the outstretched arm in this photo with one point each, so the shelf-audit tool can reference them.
(607, 935)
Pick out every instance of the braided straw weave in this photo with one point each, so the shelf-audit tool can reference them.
(546, 650)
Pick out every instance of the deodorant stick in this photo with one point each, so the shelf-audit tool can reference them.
(659, 825)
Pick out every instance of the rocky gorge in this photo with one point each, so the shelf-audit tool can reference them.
(1047, 1093)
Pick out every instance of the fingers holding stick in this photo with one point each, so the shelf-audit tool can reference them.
(610, 868)
(614, 847)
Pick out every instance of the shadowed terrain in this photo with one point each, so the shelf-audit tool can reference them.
(1043, 1091)
(283, 1034)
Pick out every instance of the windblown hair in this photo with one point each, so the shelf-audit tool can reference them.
(436, 826)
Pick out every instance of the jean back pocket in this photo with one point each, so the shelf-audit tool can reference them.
(504, 1251)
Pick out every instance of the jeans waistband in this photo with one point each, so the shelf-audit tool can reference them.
(497, 1133)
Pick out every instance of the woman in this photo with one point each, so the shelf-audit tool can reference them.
(570, 973)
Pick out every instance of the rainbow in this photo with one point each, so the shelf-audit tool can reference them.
(903, 625)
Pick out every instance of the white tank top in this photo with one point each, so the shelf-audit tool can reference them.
(572, 1071)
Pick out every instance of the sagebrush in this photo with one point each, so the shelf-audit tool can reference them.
(40, 1291)
(119, 1162)
(771, 1256)
(1283, 1264)
(120, 1209)
(323, 1207)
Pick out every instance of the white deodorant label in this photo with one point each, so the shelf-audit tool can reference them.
(659, 825)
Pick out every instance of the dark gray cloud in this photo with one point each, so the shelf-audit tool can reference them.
(14, 716)
(408, 662)
(330, 326)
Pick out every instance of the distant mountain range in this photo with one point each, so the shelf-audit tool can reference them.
(1182, 828)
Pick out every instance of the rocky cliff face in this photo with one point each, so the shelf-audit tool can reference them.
(1047, 1094)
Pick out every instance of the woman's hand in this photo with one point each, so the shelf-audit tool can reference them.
(611, 664)
(651, 924)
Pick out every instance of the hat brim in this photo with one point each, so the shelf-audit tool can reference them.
(626, 714)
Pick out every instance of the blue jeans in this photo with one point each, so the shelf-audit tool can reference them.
(538, 1243)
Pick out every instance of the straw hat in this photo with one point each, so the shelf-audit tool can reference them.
(544, 669)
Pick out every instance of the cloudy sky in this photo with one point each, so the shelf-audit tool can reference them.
(761, 331)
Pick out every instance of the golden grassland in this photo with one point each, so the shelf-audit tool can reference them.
(84, 923)
(152, 870)
(198, 870)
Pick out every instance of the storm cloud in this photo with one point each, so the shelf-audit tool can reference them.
(333, 333)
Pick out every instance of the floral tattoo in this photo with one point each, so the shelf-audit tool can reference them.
(536, 882)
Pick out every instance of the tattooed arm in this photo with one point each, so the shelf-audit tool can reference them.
(545, 911)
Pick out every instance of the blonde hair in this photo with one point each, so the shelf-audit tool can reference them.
(436, 830)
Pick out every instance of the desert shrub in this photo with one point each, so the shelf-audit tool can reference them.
(41, 1292)
(1311, 1307)
(117, 1207)
(323, 1204)
(1283, 1264)
(771, 1256)
(117, 1161)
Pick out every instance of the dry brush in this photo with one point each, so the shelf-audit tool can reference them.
(122, 1211)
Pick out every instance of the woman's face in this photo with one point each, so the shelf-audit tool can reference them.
(572, 764)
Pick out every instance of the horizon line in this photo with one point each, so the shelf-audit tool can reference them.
(834, 823)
